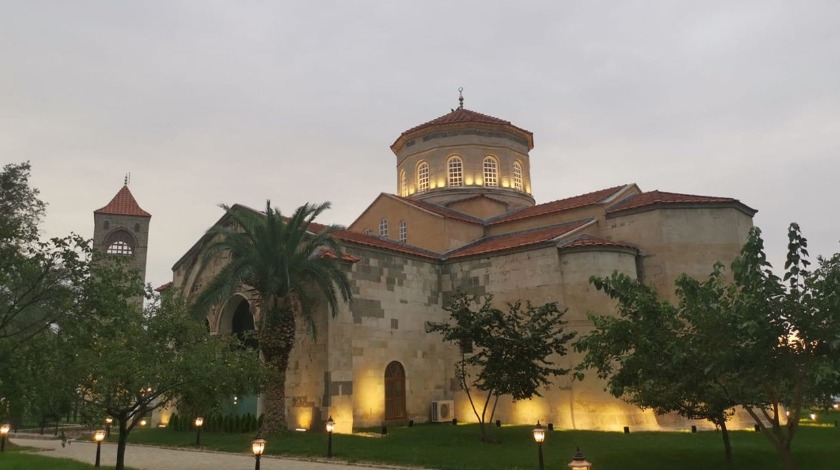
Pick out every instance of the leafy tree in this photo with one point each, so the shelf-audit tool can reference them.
(286, 269)
(43, 389)
(760, 342)
(38, 285)
(20, 209)
(131, 361)
(664, 357)
(503, 352)
(34, 276)
(790, 335)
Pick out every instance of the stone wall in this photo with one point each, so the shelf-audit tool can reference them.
(394, 297)
(136, 229)
(680, 240)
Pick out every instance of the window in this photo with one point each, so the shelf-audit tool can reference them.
(394, 391)
(455, 168)
(517, 176)
(403, 231)
(423, 177)
(119, 248)
(383, 228)
(120, 242)
(136, 227)
(491, 172)
(403, 186)
(106, 225)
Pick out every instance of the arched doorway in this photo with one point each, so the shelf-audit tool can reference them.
(394, 391)
(236, 318)
(242, 324)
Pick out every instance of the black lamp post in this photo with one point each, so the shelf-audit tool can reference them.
(330, 427)
(4, 430)
(539, 437)
(108, 422)
(579, 461)
(198, 423)
(98, 436)
(257, 447)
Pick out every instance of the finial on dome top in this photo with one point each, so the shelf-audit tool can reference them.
(461, 97)
(127, 179)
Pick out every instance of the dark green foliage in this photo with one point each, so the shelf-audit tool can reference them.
(504, 352)
(215, 423)
(275, 257)
(20, 209)
(287, 267)
(765, 343)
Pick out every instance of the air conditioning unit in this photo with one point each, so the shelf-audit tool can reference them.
(442, 411)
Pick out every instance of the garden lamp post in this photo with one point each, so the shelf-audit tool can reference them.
(579, 461)
(330, 427)
(108, 422)
(257, 447)
(199, 421)
(4, 430)
(98, 436)
(539, 437)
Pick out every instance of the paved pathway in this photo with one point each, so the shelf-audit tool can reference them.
(157, 458)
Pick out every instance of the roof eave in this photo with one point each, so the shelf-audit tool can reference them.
(734, 204)
(510, 128)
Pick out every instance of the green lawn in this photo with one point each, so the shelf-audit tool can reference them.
(446, 447)
(19, 461)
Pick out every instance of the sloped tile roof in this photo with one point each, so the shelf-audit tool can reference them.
(465, 116)
(164, 287)
(123, 204)
(377, 242)
(590, 241)
(652, 198)
(441, 210)
(559, 205)
(516, 240)
(460, 115)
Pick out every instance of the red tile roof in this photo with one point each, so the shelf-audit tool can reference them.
(123, 204)
(589, 241)
(377, 242)
(654, 198)
(462, 115)
(164, 287)
(441, 210)
(516, 240)
(560, 205)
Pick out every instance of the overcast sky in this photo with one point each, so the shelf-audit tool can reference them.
(208, 102)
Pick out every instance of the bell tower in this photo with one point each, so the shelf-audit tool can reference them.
(122, 228)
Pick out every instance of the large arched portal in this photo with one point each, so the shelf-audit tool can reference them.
(394, 391)
(242, 324)
(237, 318)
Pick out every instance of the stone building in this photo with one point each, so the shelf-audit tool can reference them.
(464, 217)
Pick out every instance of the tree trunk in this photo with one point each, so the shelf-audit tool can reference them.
(727, 446)
(121, 441)
(787, 458)
(276, 342)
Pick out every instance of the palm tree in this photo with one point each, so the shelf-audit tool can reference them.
(285, 267)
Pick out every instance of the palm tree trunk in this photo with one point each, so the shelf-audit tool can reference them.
(276, 342)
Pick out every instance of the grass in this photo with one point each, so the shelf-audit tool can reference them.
(19, 461)
(447, 447)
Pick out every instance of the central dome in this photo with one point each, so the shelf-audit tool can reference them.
(464, 154)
